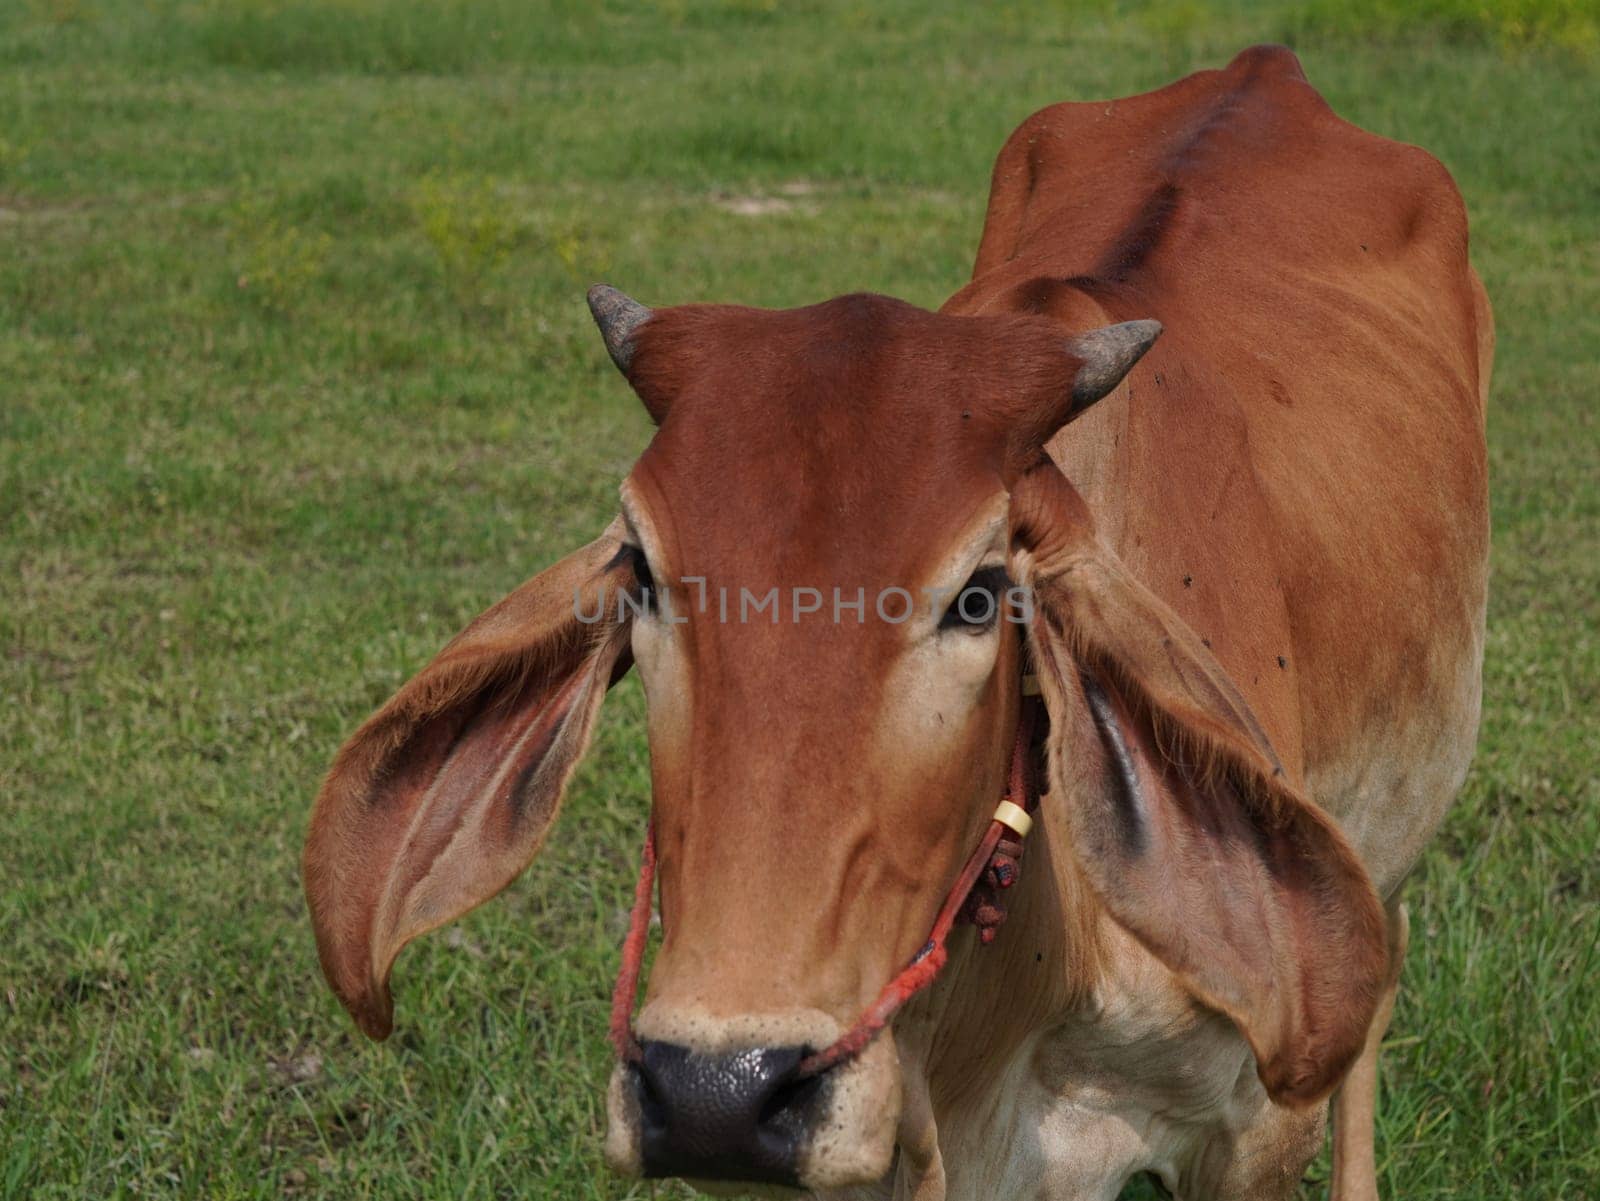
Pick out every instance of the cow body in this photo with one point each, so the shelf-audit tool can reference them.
(1298, 469)
(1256, 557)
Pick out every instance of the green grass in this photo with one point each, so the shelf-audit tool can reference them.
(1570, 25)
(295, 377)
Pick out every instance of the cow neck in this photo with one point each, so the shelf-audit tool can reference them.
(993, 862)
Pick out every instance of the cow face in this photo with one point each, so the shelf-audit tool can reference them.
(828, 640)
(821, 528)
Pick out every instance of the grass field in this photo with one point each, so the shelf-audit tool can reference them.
(296, 376)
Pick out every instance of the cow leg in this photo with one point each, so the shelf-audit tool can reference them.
(1355, 1167)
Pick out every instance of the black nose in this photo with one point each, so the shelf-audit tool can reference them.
(742, 1115)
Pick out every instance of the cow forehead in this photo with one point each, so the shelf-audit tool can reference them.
(856, 436)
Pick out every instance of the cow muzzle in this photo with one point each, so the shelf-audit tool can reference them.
(722, 1099)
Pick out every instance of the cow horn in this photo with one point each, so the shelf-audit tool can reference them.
(618, 316)
(1107, 354)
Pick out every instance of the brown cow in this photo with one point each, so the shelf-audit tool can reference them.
(1256, 619)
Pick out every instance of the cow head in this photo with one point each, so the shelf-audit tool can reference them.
(810, 573)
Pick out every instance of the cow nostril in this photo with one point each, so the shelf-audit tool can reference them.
(652, 1110)
(788, 1097)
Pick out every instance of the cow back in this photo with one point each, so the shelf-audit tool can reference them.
(1298, 467)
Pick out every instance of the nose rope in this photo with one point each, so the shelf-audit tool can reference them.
(627, 988)
(1012, 817)
(926, 964)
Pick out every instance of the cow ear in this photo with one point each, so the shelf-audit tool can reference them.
(1181, 817)
(447, 792)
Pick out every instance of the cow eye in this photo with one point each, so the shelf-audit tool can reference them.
(976, 607)
(641, 568)
(632, 557)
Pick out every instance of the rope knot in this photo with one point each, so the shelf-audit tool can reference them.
(985, 906)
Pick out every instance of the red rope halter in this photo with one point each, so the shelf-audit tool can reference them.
(999, 858)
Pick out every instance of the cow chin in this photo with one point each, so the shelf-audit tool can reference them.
(839, 1131)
